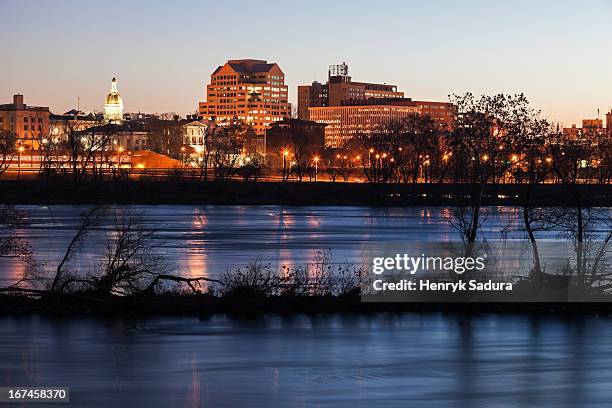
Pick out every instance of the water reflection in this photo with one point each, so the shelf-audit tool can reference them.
(209, 240)
(429, 360)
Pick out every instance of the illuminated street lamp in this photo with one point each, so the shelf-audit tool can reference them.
(20, 149)
(285, 154)
(316, 162)
(119, 151)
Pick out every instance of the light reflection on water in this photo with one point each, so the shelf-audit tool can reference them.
(210, 240)
(430, 360)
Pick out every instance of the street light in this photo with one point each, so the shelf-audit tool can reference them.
(20, 149)
(285, 154)
(119, 151)
(316, 162)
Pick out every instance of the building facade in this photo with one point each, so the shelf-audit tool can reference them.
(73, 121)
(194, 134)
(345, 122)
(368, 116)
(590, 128)
(339, 90)
(252, 91)
(28, 124)
(283, 136)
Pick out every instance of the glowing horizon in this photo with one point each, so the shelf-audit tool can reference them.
(163, 54)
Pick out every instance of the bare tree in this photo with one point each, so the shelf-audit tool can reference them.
(226, 149)
(12, 246)
(87, 148)
(488, 134)
(8, 150)
(88, 219)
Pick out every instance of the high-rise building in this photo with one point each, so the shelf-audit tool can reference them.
(609, 123)
(252, 91)
(29, 124)
(340, 90)
(113, 106)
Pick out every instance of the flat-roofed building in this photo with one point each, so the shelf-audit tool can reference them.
(28, 124)
(367, 116)
(345, 122)
(340, 89)
(590, 128)
(252, 91)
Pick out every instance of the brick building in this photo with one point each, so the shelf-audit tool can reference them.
(339, 90)
(253, 91)
(29, 124)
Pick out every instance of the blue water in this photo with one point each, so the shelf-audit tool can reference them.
(209, 240)
(407, 360)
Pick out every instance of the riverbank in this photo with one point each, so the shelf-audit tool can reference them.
(292, 193)
(180, 304)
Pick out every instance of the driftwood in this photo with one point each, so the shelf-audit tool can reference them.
(188, 281)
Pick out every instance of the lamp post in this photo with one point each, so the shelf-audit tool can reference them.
(20, 149)
(119, 151)
(285, 154)
(316, 162)
(45, 145)
(183, 155)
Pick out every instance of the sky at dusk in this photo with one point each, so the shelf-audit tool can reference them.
(556, 52)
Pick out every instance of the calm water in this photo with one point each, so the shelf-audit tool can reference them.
(209, 240)
(405, 360)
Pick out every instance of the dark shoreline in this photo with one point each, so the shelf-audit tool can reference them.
(184, 305)
(293, 193)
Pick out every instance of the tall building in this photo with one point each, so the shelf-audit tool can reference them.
(609, 123)
(339, 90)
(113, 106)
(253, 91)
(29, 124)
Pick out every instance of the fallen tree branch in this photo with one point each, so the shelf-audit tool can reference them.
(188, 281)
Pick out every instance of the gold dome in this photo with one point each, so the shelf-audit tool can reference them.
(113, 106)
(113, 99)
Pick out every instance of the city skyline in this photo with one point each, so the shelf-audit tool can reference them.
(428, 51)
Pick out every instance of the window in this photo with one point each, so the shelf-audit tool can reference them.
(25, 119)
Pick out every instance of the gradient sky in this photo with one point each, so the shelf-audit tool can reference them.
(556, 52)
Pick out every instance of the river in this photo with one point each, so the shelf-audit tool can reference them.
(210, 240)
(411, 360)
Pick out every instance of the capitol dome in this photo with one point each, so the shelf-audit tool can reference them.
(113, 105)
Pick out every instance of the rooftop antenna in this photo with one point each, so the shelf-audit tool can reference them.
(78, 104)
